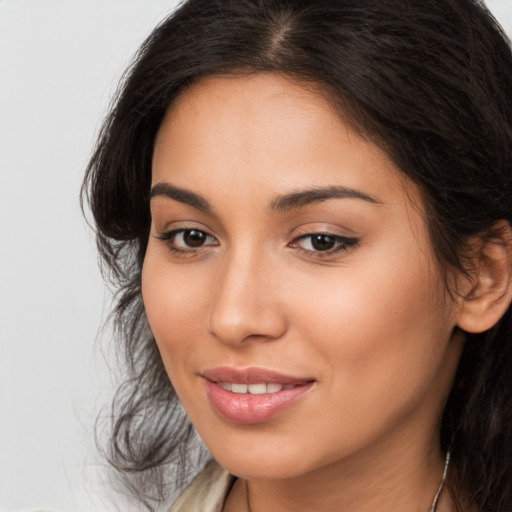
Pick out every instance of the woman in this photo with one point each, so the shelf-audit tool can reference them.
(306, 207)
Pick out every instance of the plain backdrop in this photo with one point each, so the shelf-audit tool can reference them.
(60, 61)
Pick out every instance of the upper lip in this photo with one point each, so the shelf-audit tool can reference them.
(251, 376)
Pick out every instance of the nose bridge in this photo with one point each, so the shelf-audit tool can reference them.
(244, 304)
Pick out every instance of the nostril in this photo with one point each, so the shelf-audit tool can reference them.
(247, 328)
(243, 309)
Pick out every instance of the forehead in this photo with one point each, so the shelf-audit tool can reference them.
(260, 107)
(224, 129)
(265, 89)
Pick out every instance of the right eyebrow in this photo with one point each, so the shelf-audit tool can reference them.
(303, 198)
(182, 195)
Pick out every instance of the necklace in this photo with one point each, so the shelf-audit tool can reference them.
(432, 508)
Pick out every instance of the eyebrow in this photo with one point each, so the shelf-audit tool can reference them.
(182, 195)
(283, 203)
(304, 198)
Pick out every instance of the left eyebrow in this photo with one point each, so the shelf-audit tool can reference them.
(304, 198)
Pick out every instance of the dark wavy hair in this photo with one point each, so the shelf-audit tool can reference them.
(427, 81)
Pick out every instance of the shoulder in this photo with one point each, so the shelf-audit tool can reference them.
(207, 492)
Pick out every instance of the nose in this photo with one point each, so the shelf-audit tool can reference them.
(245, 305)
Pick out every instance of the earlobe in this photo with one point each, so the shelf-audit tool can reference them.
(490, 293)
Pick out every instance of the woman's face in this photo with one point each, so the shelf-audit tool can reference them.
(290, 284)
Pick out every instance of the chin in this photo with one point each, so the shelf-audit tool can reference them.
(261, 470)
(257, 462)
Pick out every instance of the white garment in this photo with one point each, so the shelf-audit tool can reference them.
(207, 492)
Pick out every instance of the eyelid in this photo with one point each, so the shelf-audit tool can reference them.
(168, 234)
(168, 237)
(343, 244)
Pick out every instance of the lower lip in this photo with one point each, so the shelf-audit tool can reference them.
(251, 409)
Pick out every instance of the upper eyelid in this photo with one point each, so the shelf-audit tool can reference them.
(168, 233)
(338, 231)
(306, 233)
(167, 221)
(185, 225)
(322, 232)
(173, 232)
(333, 235)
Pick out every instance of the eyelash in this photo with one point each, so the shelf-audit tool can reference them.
(170, 236)
(341, 243)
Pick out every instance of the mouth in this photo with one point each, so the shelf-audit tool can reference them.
(255, 389)
(252, 395)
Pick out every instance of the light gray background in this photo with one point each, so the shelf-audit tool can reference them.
(60, 61)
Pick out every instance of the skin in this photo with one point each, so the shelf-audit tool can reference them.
(370, 323)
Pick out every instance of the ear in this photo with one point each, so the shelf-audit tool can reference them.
(490, 289)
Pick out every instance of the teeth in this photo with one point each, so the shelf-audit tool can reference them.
(239, 388)
(254, 389)
(225, 385)
(274, 388)
(257, 389)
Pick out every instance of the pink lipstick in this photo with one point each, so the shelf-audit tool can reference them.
(252, 395)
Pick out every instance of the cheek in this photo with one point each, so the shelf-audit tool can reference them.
(378, 339)
(174, 306)
(381, 322)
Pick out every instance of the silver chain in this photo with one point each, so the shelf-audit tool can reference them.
(433, 507)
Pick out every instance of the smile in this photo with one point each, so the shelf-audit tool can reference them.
(253, 395)
(255, 389)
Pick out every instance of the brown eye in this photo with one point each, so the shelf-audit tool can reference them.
(194, 237)
(187, 240)
(322, 242)
(326, 243)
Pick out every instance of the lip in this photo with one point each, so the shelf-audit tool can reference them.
(251, 376)
(248, 408)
